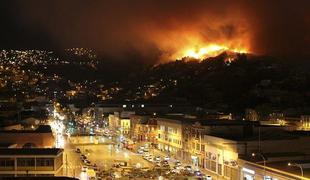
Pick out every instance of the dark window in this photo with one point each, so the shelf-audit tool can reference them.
(45, 162)
(6, 162)
(213, 166)
(25, 162)
(203, 148)
(219, 169)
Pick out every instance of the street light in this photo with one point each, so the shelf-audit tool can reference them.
(255, 154)
(297, 165)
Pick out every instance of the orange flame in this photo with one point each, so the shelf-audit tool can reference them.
(208, 51)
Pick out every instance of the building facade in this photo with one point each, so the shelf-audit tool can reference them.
(21, 162)
(169, 135)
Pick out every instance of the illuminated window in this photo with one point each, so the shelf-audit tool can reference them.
(198, 147)
(162, 128)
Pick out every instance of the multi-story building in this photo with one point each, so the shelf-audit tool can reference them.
(145, 130)
(114, 123)
(31, 162)
(121, 122)
(170, 136)
(221, 152)
(292, 166)
(125, 126)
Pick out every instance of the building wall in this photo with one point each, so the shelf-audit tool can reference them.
(143, 132)
(12, 127)
(217, 155)
(170, 136)
(114, 122)
(221, 156)
(31, 165)
(40, 140)
(125, 126)
(249, 171)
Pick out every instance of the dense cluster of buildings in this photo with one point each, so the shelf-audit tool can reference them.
(229, 148)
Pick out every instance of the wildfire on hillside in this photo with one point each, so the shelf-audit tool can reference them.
(209, 51)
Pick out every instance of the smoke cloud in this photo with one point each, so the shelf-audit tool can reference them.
(157, 29)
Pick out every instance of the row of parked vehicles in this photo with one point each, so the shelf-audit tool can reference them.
(173, 167)
(86, 163)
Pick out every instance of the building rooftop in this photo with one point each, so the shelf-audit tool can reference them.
(271, 134)
(30, 151)
(40, 129)
(38, 178)
(207, 122)
(6, 145)
(282, 165)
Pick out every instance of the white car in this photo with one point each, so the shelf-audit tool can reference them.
(209, 178)
(157, 159)
(150, 158)
(140, 151)
(167, 158)
(145, 156)
(177, 163)
(188, 168)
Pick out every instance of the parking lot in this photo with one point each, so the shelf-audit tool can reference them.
(112, 160)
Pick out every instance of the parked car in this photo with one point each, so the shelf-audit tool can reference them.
(87, 162)
(157, 164)
(145, 156)
(150, 158)
(167, 158)
(188, 168)
(164, 162)
(198, 173)
(140, 151)
(84, 168)
(157, 159)
(177, 163)
(166, 165)
(83, 157)
(209, 178)
(145, 150)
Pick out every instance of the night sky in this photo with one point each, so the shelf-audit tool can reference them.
(157, 28)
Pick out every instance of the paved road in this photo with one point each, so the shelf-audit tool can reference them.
(100, 151)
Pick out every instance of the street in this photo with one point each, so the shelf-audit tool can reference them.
(100, 151)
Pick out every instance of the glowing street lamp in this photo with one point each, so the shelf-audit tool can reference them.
(297, 165)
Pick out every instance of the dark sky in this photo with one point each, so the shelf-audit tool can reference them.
(157, 28)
